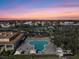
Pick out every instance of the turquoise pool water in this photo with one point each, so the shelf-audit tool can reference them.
(39, 44)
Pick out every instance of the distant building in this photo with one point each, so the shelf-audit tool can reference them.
(10, 40)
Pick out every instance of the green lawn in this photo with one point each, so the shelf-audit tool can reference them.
(76, 57)
(32, 57)
(39, 57)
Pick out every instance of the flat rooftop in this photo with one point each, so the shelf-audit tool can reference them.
(19, 37)
(7, 34)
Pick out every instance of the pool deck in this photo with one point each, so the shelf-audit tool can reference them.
(26, 48)
(34, 38)
(49, 48)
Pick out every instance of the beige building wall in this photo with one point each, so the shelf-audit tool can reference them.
(4, 40)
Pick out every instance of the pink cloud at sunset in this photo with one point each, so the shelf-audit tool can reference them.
(43, 13)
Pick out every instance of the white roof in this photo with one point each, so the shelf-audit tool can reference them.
(59, 50)
(32, 51)
(17, 53)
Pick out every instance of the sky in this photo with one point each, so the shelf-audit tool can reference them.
(39, 9)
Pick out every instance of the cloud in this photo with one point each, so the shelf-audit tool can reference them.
(45, 13)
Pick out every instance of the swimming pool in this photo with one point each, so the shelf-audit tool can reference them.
(39, 44)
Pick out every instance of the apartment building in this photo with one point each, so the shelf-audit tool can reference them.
(10, 40)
